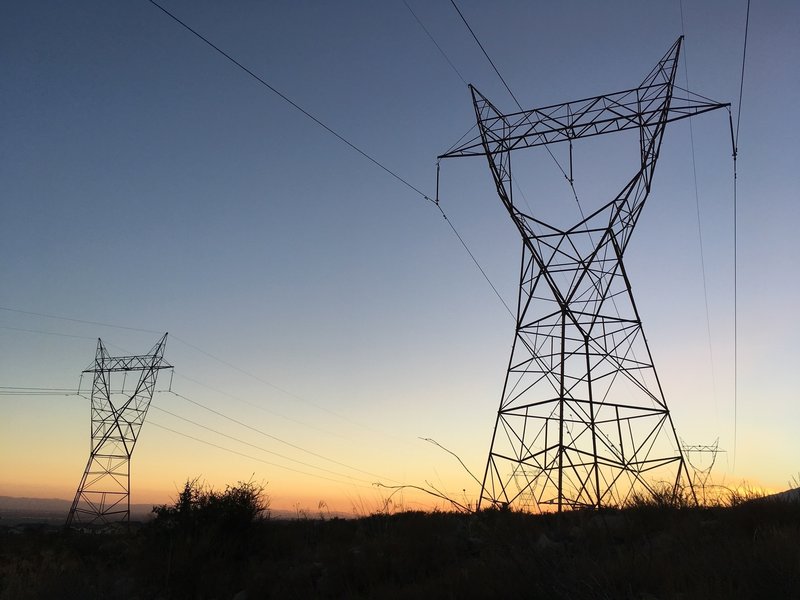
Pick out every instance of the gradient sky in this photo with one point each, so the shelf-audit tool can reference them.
(148, 183)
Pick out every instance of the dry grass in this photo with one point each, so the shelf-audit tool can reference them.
(737, 548)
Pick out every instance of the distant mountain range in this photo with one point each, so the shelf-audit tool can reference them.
(51, 511)
(14, 511)
(52, 505)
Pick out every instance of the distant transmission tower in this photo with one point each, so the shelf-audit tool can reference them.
(582, 419)
(701, 469)
(103, 495)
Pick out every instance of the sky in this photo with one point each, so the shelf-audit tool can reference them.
(320, 304)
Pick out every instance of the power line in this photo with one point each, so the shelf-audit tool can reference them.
(48, 391)
(741, 82)
(344, 140)
(256, 406)
(190, 345)
(14, 387)
(18, 391)
(14, 390)
(699, 223)
(36, 391)
(287, 392)
(241, 441)
(569, 178)
(329, 129)
(84, 321)
(274, 437)
(435, 43)
(270, 384)
(460, 239)
(497, 71)
(486, 54)
(736, 244)
(52, 391)
(472, 256)
(40, 331)
(291, 102)
(261, 460)
(449, 223)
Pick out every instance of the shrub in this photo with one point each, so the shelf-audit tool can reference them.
(199, 505)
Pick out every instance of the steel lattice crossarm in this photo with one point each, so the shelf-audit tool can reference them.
(629, 109)
(126, 363)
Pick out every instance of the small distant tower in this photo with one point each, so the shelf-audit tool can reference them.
(705, 457)
(103, 495)
(583, 421)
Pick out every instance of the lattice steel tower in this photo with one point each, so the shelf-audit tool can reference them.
(582, 420)
(103, 495)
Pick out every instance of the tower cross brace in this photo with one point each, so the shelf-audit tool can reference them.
(582, 420)
(117, 416)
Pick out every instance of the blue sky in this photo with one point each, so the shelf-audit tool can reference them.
(148, 183)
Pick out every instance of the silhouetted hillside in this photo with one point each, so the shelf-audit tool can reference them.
(745, 551)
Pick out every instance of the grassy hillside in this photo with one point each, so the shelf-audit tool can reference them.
(746, 551)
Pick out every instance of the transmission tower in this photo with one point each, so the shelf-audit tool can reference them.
(701, 469)
(117, 415)
(582, 420)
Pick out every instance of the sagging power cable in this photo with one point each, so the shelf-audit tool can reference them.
(274, 437)
(735, 140)
(435, 43)
(569, 178)
(242, 454)
(291, 102)
(699, 223)
(330, 129)
(259, 448)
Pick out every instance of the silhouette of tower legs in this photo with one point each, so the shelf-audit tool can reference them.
(117, 416)
(583, 421)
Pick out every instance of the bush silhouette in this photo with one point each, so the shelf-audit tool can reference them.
(201, 506)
